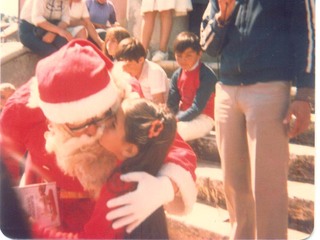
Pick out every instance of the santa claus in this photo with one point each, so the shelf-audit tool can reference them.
(56, 117)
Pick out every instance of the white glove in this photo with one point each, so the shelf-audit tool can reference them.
(134, 207)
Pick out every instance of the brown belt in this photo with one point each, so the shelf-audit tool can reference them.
(64, 194)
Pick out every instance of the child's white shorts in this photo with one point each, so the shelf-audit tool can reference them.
(181, 7)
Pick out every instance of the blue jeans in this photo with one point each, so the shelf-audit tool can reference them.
(35, 44)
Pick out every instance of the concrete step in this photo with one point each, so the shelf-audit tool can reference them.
(301, 165)
(307, 138)
(301, 196)
(17, 63)
(206, 222)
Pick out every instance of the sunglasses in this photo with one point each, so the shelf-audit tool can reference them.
(96, 122)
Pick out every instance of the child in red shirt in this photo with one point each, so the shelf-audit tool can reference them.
(192, 86)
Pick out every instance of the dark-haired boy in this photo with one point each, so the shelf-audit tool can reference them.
(191, 92)
(152, 78)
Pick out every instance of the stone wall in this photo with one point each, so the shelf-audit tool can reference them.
(17, 63)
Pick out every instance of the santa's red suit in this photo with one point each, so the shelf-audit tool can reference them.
(22, 132)
(98, 227)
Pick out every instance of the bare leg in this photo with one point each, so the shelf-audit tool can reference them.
(166, 26)
(147, 25)
(83, 34)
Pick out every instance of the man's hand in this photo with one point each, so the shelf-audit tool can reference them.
(134, 207)
(299, 112)
(226, 8)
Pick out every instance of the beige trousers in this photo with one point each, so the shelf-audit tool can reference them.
(254, 151)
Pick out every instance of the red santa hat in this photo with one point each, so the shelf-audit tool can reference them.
(74, 84)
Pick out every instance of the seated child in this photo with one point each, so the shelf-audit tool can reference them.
(80, 25)
(152, 78)
(113, 38)
(6, 90)
(191, 92)
(102, 15)
(139, 135)
(43, 26)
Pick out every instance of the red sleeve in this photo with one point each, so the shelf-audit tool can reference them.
(182, 154)
(14, 124)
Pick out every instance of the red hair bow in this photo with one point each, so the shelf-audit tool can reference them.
(155, 129)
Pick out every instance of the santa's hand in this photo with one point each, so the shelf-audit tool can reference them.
(134, 207)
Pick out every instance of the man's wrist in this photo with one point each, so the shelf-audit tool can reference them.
(305, 95)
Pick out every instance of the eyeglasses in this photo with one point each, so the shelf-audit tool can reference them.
(95, 121)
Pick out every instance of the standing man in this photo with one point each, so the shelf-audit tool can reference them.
(195, 15)
(265, 45)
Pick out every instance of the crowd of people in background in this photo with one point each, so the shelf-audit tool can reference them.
(56, 22)
(78, 122)
(96, 20)
(56, 31)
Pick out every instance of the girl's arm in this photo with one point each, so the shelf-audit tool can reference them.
(92, 32)
(179, 167)
(174, 187)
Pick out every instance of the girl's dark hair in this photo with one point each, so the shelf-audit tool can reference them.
(186, 40)
(118, 32)
(130, 49)
(143, 121)
(142, 118)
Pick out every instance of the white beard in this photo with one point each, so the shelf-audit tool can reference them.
(82, 157)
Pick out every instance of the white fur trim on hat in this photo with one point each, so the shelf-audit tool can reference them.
(76, 111)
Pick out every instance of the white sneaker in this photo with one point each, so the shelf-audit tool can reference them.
(160, 56)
